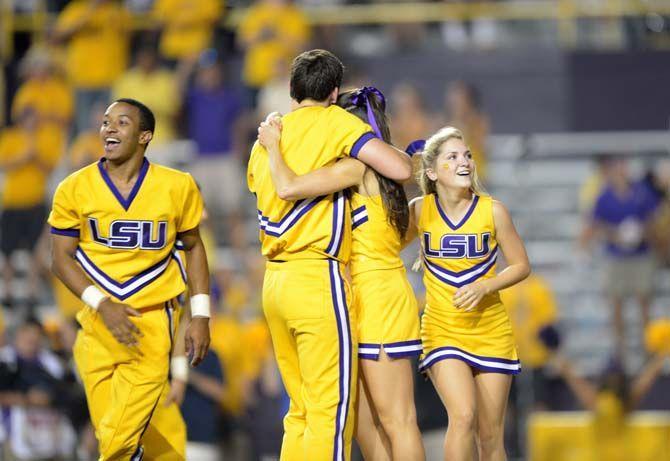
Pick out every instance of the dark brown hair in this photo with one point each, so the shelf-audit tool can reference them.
(315, 74)
(393, 194)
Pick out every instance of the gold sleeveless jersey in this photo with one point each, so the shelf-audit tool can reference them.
(375, 243)
(457, 254)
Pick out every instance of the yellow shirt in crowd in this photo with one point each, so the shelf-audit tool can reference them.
(531, 306)
(286, 29)
(189, 25)
(86, 148)
(243, 349)
(97, 54)
(25, 187)
(50, 97)
(157, 90)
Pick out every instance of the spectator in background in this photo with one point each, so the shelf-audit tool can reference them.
(213, 110)
(532, 306)
(87, 146)
(610, 401)
(156, 87)
(532, 309)
(27, 157)
(409, 119)
(96, 33)
(592, 187)
(202, 409)
(47, 92)
(463, 109)
(33, 392)
(269, 401)
(187, 26)
(76, 408)
(271, 30)
(621, 219)
(658, 181)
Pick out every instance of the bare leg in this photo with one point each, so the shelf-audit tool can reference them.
(492, 392)
(391, 389)
(370, 434)
(455, 383)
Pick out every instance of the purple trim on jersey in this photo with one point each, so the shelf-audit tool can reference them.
(294, 215)
(345, 357)
(65, 232)
(358, 210)
(413, 342)
(125, 203)
(339, 208)
(507, 366)
(360, 142)
(435, 270)
(139, 454)
(462, 221)
(362, 355)
(168, 311)
(182, 268)
(359, 222)
(403, 349)
(492, 255)
(404, 354)
(359, 216)
(79, 255)
(369, 351)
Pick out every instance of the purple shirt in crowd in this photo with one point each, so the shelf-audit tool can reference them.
(211, 119)
(634, 209)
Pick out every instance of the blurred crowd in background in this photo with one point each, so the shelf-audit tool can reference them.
(211, 71)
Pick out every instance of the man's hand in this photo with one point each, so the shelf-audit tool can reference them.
(117, 321)
(177, 391)
(197, 339)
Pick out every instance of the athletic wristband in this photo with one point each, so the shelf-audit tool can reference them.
(92, 297)
(179, 368)
(200, 305)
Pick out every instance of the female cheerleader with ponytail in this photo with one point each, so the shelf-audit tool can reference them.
(468, 348)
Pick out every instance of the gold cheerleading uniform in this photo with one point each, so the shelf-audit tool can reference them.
(455, 255)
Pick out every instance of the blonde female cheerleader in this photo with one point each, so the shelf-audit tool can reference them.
(468, 349)
(388, 322)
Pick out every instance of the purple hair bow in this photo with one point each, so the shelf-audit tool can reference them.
(415, 146)
(361, 98)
